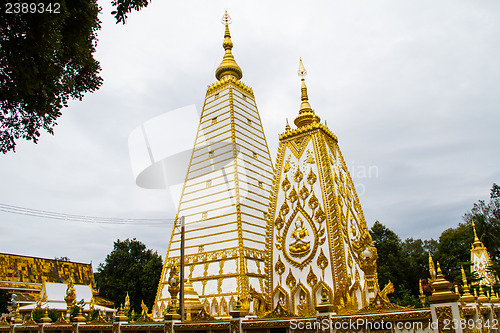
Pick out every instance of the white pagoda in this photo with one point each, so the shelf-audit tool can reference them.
(225, 197)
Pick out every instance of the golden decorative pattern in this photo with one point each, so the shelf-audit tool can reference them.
(217, 255)
(308, 129)
(311, 177)
(310, 158)
(292, 197)
(285, 185)
(298, 145)
(313, 202)
(235, 326)
(278, 223)
(224, 81)
(287, 167)
(284, 209)
(17, 268)
(290, 280)
(298, 175)
(304, 192)
(279, 312)
(322, 260)
(320, 215)
(219, 285)
(444, 313)
(279, 267)
(202, 315)
(312, 279)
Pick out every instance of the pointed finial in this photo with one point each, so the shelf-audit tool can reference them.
(464, 277)
(302, 70)
(476, 239)
(306, 113)
(432, 269)
(466, 296)
(287, 127)
(228, 65)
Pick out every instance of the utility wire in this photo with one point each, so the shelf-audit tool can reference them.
(81, 218)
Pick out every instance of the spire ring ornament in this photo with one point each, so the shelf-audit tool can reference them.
(226, 19)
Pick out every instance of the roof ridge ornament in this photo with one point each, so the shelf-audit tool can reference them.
(228, 66)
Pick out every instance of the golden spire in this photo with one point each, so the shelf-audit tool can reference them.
(464, 277)
(228, 65)
(306, 113)
(466, 297)
(477, 242)
(482, 298)
(432, 269)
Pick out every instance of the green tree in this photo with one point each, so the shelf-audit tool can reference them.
(416, 252)
(37, 314)
(45, 60)
(454, 251)
(123, 7)
(390, 260)
(131, 268)
(402, 263)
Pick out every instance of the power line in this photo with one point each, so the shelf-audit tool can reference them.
(81, 218)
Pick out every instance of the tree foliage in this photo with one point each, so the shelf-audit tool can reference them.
(390, 261)
(454, 250)
(37, 315)
(45, 60)
(131, 268)
(406, 263)
(124, 7)
(402, 263)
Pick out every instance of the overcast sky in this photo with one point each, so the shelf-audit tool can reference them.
(410, 88)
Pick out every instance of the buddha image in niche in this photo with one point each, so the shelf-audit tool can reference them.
(300, 247)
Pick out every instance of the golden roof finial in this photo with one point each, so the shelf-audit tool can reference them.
(476, 239)
(439, 271)
(464, 277)
(477, 242)
(287, 127)
(228, 65)
(441, 288)
(302, 69)
(466, 296)
(306, 113)
(432, 269)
